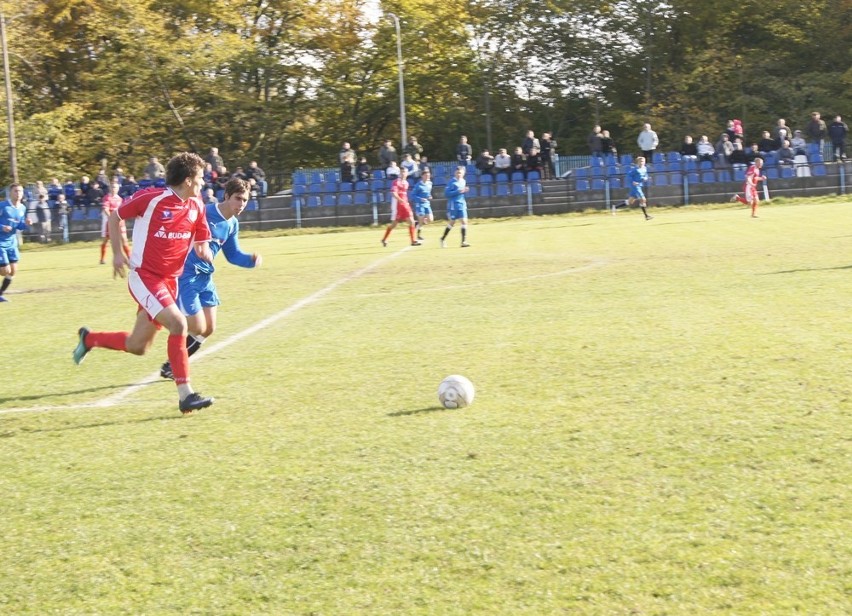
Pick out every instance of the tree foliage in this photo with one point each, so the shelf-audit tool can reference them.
(285, 81)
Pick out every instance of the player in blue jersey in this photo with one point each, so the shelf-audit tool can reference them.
(13, 218)
(637, 177)
(421, 198)
(197, 297)
(456, 206)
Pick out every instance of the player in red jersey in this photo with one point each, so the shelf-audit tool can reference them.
(750, 186)
(169, 222)
(109, 203)
(400, 208)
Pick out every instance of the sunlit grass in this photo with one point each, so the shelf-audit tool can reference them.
(660, 426)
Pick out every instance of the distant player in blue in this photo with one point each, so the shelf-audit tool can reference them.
(421, 199)
(637, 177)
(13, 218)
(197, 297)
(456, 206)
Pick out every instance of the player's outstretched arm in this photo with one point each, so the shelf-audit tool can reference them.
(119, 260)
(202, 251)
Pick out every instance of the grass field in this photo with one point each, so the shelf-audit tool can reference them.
(661, 426)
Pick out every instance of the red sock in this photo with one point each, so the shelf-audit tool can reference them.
(178, 358)
(117, 341)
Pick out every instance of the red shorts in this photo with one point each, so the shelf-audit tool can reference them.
(400, 210)
(151, 292)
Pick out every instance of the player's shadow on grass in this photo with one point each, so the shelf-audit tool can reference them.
(101, 424)
(66, 393)
(428, 409)
(808, 269)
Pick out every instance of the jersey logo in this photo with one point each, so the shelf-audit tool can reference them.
(161, 233)
(193, 215)
(172, 235)
(167, 215)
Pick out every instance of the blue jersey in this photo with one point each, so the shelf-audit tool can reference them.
(454, 192)
(422, 192)
(224, 238)
(14, 216)
(638, 174)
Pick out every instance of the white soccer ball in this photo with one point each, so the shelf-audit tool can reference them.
(455, 392)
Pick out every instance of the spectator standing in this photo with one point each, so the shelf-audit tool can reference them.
(723, 149)
(213, 158)
(593, 140)
(423, 166)
(387, 154)
(607, 144)
(548, 153)
(530, 142)
(62, 206)
(738, 157)
(648, 142)
(464, 153)
(413, 148)
(838, 131)
(42, 216)
(346, 154)
(816, 130)
(155, 168)
(256, 173)
(782, 132)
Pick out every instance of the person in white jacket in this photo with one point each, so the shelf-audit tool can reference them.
(648, 142)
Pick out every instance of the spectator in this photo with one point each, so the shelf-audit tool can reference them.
(594, 141)
(734, 130)
(688, 150)
(485, 163)
(362, 171)
(70, 191)
(409, 164)
(607, 144)
(648, 142)
(464, 153)
(548, 152)
(766, 144)
(213, 158)
(413, 148)
(209, 197)
(837, 131)
(259, 174)
(798, 143)
(42, 216)
(102, 181)
(54, 189)
(786, 154)
(128, 187)
(95, 194)
(222, 178)
(529, 143)
(518, 160)
(503, 163)
(782, 133)
(62, 207)
(724, 148)
(346, 154)
(816, 129)
(240, 174)
(752, 152)
(145, 181)
(387, 154)
(533, 162)
(738, 157)
(423, 166)
(155, 168)
(347, 171)
(210, 175)
(392, 172)
(705, 149)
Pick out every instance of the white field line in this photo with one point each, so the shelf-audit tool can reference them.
(154, 377)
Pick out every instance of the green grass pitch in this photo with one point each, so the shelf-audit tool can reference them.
(661, 426)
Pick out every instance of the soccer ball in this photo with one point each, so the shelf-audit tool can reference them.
(455, 392)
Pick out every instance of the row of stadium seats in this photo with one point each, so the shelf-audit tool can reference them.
(705, 177)
(379, 196)
(676, 166)
(384, 184)
(438, 179)
(813, 153)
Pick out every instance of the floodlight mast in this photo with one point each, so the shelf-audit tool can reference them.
(402, 125)
(10, 112)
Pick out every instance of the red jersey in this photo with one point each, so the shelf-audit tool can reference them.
(399, 190)
(110, 203)
(164, 230)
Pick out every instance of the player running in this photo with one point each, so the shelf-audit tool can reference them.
(400, 208)
(752, 178)
(637, 178)
(169, 223)
(110, 203)
(13, 218)
(421, 194)
(197, 297)
(456, 206)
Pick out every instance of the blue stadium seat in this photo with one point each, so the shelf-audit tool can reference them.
(536, 188)
(314, 201)
(345, 199)
(705, 165)
(598, 184)
(471, 191)
(533, 175)
(673, 157)
(626, 159)
(378, 185)
(676, 179)
(94, 213)
(314, 189)
(252, 205)
(517, 176)
(485, 190)
(329, 200)
(300, 178)
(770, 159)
(328, 187)
(317, 178)
(502, 190)
(818, 169)
(486, 179)
(739, 175)
(597, 172)
(347, 187)
(361, 198)
(378, 174)
(708, 177)
(657, 157)
(813, 149)
(816, 158)
(723, 175)
(362, 186)
(771, 173)
(660, 179)
(581, 173)
(693, 178)
(689, 165)
(615, 182)
(77, 214)
(519, 188)
(788, 172)
(581, 185)
(674, 165)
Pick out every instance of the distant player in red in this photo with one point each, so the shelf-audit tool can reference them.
(169, 222)
(109, 204)
(750, 187)
(400, 208)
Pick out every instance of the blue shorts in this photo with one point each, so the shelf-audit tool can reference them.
(9, 253)
(196, 292)
(422, 209)
(457, 212)
(636, 192)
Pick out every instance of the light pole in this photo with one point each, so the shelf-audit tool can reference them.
(401, 82)
(10, 116)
